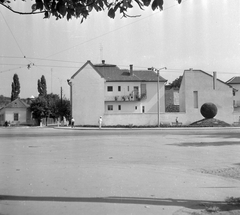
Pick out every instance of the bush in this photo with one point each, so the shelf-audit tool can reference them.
(208, 110)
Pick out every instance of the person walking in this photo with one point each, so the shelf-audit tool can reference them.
(100, 122)
(72, 122)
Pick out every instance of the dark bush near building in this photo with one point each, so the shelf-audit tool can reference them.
(208, 110)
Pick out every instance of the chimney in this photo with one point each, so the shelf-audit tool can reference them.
(214, 80)
(131, 70)
(103, 61)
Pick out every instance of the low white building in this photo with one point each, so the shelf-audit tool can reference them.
(120, 96)
(199, 87)
(16, 112)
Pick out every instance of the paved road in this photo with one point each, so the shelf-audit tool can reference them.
(136, 171)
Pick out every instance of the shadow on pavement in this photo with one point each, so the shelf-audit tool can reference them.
(205, 144)
(192, 204)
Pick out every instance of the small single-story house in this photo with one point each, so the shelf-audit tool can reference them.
(16, 112)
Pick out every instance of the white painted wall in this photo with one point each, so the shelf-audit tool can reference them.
(140, 119)
(22, 114)
(88, 96)
(221, 96)
(149, 103)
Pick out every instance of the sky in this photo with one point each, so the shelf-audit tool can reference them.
(198, 34)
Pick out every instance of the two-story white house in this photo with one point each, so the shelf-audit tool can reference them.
(120, 96)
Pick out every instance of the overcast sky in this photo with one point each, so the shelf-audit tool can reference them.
(198, 34)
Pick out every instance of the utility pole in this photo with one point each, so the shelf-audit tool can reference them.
(51, 80)
(157, 71)
(61, 95)
(61, 106)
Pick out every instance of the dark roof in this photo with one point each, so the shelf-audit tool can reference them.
(234, 80)
(113, 73)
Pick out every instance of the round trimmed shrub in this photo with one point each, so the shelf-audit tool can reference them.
(208, 110)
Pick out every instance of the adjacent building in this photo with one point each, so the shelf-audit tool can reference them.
(16, 112)
(199, 87)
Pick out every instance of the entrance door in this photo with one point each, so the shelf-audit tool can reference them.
(136, 92)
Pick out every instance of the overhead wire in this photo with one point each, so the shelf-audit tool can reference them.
(14, 38)
(43, 59)
(117, 29)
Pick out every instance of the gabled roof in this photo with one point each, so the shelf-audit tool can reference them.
(17, 103)
(113, 73)
(234, 80)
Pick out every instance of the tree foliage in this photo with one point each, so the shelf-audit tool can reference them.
(176, 83)
(50, 106)
(15, 87)
(209, 110)
(82, 8)
(42, 86)
(4, 100)
(64, 108)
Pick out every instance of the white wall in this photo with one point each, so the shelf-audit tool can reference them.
(22, 114)
(87, 96)
(221, 96)
(149, 102)
(147, 119)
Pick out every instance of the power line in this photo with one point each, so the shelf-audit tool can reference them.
(117, 29)
(8, 70)
(12, 33)
(41, 59)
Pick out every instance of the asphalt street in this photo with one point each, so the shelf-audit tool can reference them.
(115, 171)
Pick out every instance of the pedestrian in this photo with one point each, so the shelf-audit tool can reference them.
(100, 122)
(72, 122)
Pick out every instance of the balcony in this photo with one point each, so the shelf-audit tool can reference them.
(132, 97)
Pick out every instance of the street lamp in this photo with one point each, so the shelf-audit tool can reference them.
(158, 93)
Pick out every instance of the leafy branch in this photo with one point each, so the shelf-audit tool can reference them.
(82, 8)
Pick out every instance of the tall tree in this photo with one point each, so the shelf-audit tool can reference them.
(15, 87)
(42, 86)
(82, 8)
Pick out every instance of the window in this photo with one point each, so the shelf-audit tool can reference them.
(15, 116)
(110, 88)
(119, 107)
(110, 107)
(135, 107)
(195, 99)
(128, 88)
(119, 88)
(143, 109)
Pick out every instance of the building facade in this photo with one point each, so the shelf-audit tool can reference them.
(16, 112)
(199, 87)
(120, 96)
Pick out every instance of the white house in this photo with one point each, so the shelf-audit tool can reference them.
(120, 96)
(199, 87)
(235, 83)
(16, 112)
